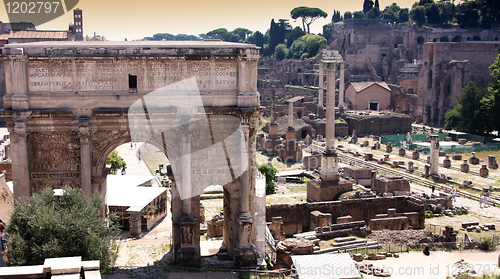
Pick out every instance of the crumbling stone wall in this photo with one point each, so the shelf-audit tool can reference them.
(311, 162)
(358, 173)
(378, 124)
(448, 67)
(319, 125)
(359, 209)
(390, 184)
(394, 223)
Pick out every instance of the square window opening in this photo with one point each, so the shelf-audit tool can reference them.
(132, 83)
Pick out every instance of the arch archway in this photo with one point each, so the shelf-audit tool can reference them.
(420, 40)
(61, 134)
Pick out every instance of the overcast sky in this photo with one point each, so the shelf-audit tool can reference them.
(117, 20)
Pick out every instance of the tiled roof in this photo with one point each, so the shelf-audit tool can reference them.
(360, 86)
(37, 35)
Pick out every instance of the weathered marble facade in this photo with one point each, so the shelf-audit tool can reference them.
(68, 106)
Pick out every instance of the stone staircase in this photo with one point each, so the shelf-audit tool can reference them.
(341, 244)
(348, 244)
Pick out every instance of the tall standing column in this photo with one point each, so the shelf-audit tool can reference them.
(188, 253)
(341, 86)
(320, 91)
(245, 251)
(245, 185)
(290, 131)
(22, 187)
(330, 106)
(85, 156)
(434, 155)
(273, 105)
(186, 188)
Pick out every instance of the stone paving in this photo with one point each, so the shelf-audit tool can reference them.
(131, 157)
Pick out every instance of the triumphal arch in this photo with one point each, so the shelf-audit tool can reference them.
(69, 104)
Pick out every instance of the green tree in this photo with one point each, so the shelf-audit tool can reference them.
(269, 171)
(296, 33)
(223, 34)
(358, 14)
(274, 36)
(281, 52)
(218, 33)
(391, 12)
(185, 37)
(297, 49)
(377, 5)
(242, 33)
(313, 44)
(367, 6)
(471, 113)
(468, 14)
(403, 15)
(347, 15)
(308, 16)
(374, 13)
(492, 102)
(447, 12)
(336, 17)
(59, 226)
(432, 12)
(417, 14)
(259, 39)
(327, 31)
(115, 161)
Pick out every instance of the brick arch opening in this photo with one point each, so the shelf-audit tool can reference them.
(420, 40)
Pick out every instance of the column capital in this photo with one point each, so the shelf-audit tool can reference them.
(186, 131)
(21, 135)
(331, 66)
(17, 58)
(84, 137)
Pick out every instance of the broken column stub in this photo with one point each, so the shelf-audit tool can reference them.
(447, 161)
(464, 167)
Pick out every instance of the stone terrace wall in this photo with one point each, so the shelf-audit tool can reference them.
(378, 124)
(359, 209)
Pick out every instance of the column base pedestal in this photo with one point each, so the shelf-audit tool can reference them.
(245, 256)
(188, 254)
(189, 257)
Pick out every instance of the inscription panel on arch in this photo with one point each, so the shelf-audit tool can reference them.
(75, 76)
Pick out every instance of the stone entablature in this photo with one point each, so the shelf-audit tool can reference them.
(225, 72)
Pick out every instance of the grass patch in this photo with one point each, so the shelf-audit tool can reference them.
(297, 189)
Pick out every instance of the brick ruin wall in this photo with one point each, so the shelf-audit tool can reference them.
(379, 124)
(296, 217)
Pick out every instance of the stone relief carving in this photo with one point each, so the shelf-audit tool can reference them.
(187, 235)
(54, 151)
